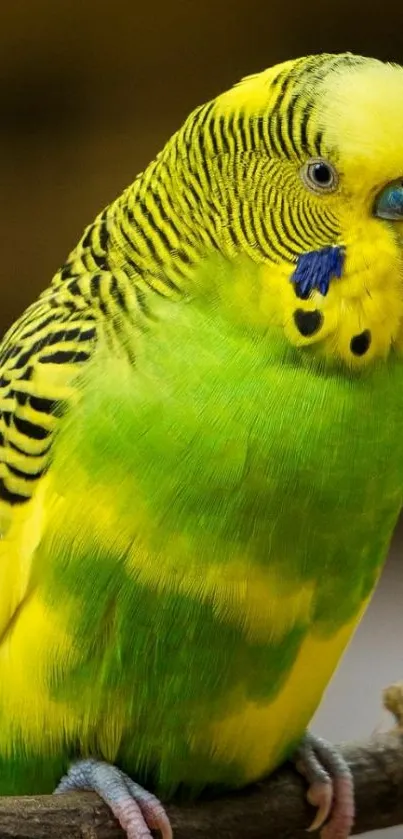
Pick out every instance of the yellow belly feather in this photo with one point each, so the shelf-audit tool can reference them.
(256, 736)
(36, 642)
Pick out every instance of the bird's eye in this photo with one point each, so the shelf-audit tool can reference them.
(389, 202)
(319, 175)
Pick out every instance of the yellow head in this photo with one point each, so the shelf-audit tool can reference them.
(301, 168)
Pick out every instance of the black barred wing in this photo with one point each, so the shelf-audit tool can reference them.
(39, 358)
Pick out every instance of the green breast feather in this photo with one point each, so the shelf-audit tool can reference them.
(175, 485)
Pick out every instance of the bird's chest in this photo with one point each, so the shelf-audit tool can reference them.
(273, 547)
(288, 471)
(249, 510)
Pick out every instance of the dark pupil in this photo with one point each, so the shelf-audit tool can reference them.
(321, 174)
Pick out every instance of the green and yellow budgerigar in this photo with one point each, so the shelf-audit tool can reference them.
(202, 452)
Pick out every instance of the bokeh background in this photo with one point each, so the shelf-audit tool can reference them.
(89, 91)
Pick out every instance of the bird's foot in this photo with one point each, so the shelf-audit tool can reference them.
(136, 810)
(331, 787)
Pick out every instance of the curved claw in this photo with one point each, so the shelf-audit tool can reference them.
(331, 787)
(136, 809)
(320, 795)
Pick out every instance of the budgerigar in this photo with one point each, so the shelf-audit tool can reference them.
(202, 452)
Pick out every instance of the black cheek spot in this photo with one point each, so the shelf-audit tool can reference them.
(361, 343)
(308, 323)
(302, 293)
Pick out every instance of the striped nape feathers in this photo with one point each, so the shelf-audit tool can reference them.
(285, 166)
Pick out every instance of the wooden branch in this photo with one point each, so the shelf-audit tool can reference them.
(273, 808)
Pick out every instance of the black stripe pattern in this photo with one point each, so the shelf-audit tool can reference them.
(228, 180)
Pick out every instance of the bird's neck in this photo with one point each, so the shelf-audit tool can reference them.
(163, 224)
(182, 208)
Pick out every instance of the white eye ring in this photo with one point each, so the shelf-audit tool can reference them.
(319, 175)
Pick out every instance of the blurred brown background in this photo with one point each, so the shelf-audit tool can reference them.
(89, 91)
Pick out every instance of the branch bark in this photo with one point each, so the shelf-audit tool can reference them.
(273, 808)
